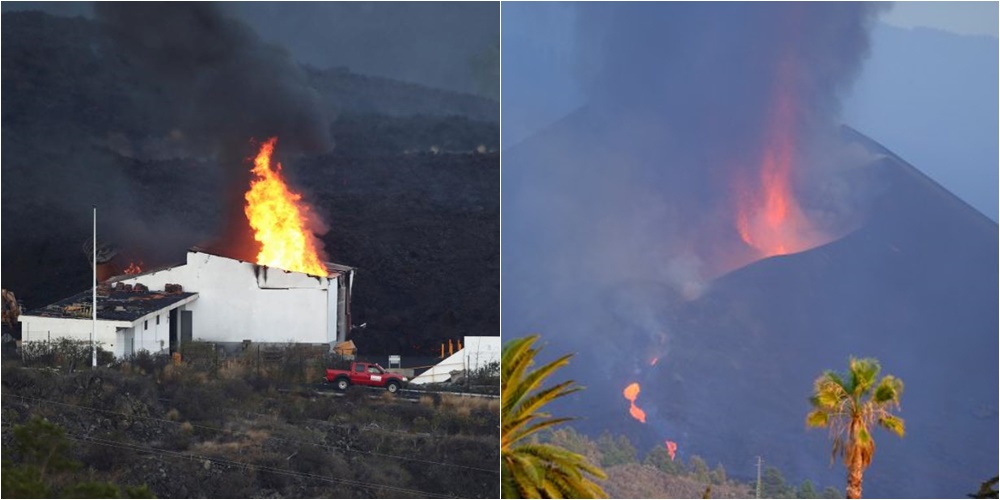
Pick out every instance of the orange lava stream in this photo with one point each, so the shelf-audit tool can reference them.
(671, 449)
(631, 392)
(278, 219)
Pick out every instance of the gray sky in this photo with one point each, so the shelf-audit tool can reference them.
(963, 18)
(429, 43)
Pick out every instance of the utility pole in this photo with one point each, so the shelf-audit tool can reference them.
(758, 476)
(93, 308)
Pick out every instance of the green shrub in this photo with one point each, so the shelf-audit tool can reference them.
(64, 353)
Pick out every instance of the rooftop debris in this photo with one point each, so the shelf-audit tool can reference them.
(119, 303)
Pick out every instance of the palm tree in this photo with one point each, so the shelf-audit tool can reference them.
(849, 404)
(530, 469)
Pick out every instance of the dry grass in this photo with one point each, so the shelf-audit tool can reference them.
(464, 405)
(184, 374)
(233, 369)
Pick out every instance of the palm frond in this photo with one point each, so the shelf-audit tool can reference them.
(864, 372)
(828, 392)
(889, 390)
(526, 406)
(817, 418)
(531, 382)
(893, 424)
(532, 469)
(527, 431)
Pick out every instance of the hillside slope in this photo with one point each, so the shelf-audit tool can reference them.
(82, 125)
(913, 285)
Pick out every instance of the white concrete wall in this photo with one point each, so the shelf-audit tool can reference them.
(39, 329)
(476, 352)
(441, 372)
(481, 351)
(240, 300)
(156, 337)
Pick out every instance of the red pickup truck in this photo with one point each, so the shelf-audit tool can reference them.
(370, 374)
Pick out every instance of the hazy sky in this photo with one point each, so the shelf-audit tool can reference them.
(963, 18)
(429, 43)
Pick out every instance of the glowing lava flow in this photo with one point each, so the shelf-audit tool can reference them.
(631, 392)
(671, 449)
(769, 218)
(278, 219)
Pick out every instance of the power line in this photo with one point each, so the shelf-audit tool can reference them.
(288, 440)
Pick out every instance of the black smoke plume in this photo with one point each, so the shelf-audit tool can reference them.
(230, 89)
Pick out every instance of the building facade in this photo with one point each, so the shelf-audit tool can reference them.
(225, 301)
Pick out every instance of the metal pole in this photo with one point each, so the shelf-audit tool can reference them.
(758, 476)
(93, 330)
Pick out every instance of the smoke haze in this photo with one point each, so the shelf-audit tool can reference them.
(622, 214)
(681, 97)
(233, 89)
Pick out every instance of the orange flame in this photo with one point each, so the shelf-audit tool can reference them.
(133, 268)
(769, 218)
(631, 392)
(279, 219)
(671, 449)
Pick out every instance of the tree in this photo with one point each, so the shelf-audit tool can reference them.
(615, 451)
(699, 469)
(530, 469)
(568, 438)
(659, 457)
(806, 490)
(43, 463)
(41, 450)
(849, 404)
(987, 489)
(773, 484)
(719, 475)
(831, 492)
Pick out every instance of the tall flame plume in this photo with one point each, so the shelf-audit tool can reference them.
(280, 219)
(768, 217)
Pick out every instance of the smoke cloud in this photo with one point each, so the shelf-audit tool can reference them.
(230, 89)
(682, 98)
(624, 211)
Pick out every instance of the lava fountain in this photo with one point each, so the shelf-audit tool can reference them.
(280, 219)
(631, 392)
(769, 218)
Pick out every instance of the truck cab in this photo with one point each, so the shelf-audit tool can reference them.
(367, 374)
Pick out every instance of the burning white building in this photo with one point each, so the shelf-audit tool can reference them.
(211, 298)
